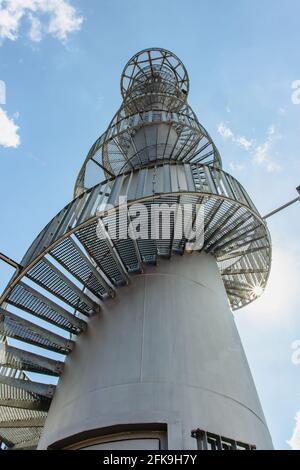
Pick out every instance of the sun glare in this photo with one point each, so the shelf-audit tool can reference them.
(257, 290)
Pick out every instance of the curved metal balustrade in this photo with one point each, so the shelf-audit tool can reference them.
(234, 233)
(176, 136)
(154, 60)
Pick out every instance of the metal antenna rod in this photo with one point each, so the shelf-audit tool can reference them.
(284, 206)
(10, 261)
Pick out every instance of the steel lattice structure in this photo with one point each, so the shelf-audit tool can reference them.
(154, 151)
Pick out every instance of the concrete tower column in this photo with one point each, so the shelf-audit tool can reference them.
(165, 351)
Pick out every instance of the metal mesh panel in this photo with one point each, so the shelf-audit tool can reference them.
(20, 297)
(21, 436)
(71, 259)
(25, 361)
(30, 333)
(44, 276)
(100, 252)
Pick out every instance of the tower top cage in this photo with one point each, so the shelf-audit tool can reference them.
(153, 123)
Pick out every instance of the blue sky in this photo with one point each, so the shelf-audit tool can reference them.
(61, 65)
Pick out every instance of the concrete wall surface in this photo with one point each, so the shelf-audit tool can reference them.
(165, 350)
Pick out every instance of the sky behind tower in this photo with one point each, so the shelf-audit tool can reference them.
(60, 66)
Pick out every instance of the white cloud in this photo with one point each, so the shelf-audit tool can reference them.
(35, 32)
(243, 142)
(260, 154)
(55, 17)
(225, 132)
(2, 92)
(236, 166)
(294, 442)
(8, 131)
(64, 20)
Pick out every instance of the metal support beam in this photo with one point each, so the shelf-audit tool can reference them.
(136, 247)
(11, 262)
(23, 423)
(33, 387)
(232, 230)
(240, 245)
(4, 441)
(217, 205)
(33, 403)
(103, 168)
(234, 293)
(199, 202)
(114, 253)
(238, 286)
(236, 272)
(220, 224)
(297, 199)
(27, 445)
(234, 240)
(28, 361)
(239, 254)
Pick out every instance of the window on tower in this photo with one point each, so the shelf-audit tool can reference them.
(210, 441)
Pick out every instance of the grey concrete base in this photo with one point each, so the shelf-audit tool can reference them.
(165, 350)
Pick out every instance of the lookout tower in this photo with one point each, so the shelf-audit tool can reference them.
(139, 330)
